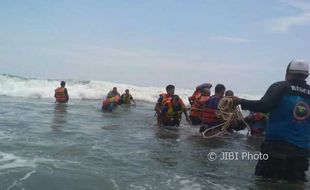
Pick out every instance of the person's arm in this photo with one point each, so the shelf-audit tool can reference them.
(157, 108)
(186, 115)
(67, 95)
(269, 101)
(131, 99)
(190, 100)
(158, 104)
(184, 110)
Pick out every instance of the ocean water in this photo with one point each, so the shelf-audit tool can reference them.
(75, 146)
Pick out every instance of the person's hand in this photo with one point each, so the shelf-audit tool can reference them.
(187, 119)
(236, 100)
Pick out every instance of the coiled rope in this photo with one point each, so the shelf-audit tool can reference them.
(229, 114)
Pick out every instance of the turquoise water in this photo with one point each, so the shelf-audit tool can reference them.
(77, 147)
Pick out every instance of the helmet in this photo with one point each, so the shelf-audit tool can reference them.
(298, 66)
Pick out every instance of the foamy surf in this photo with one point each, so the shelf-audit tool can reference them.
(15, 86)
(9, 161)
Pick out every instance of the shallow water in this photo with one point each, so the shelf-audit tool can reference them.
(77, 147)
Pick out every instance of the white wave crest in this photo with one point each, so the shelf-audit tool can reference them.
(15, 86)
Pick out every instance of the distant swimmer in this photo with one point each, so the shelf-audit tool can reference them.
(127, 98)
(287, 136)
(171, 112)
(61, 93)
(197, 92)
(198, 106)
(111, 101)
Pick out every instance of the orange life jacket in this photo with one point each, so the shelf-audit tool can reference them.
(196, 110)
(166, 98)
(60, 95)
(114, 99)
(172, 114)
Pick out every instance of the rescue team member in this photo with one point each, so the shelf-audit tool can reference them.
(163, 99)
(127, 98)
(197, 92)
(287, 137)
(61, 93)
(112, 100)
(210, 116)
(257, 122)
(197, 107)
(171, 112)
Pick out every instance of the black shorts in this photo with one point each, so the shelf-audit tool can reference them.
(285, 161)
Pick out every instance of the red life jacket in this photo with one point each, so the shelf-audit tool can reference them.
(197, 106)
(60, 95)
(209, 113)
(195, 95)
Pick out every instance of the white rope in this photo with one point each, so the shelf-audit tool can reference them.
(229, 114)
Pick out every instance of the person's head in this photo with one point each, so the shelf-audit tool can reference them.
(229, 93)
(127, 91)
(205, 91)
(204, 85)
(170, 89)
(114, 89)
(62, 83)
(220, 90)
(297, 70)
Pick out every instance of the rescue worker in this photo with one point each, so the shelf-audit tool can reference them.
(171, 112)
(127, 98)
(287, 138)
(198, 105)
(61, 93)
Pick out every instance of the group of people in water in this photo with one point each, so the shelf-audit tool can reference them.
(112, 100)
(170, 107)
(203, 111)
(282, 115)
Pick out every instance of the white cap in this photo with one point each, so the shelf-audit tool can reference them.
(298, 66)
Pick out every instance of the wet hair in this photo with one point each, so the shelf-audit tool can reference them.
(219, 88)
(170, 87)
(62, 83)
(126, 90)
(229, 93)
